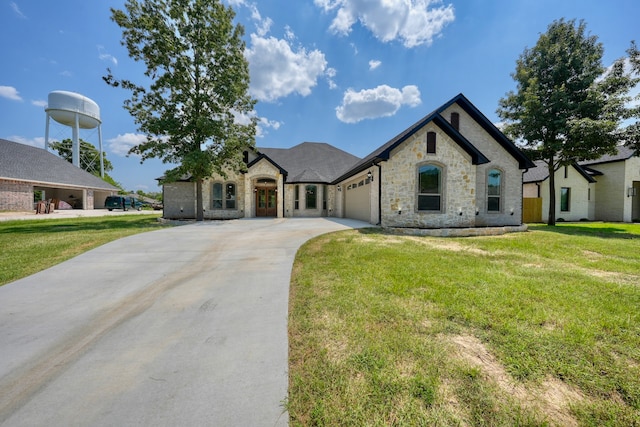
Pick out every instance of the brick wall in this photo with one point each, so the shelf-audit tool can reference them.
(16, 196)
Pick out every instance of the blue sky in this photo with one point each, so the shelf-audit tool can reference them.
(352, 73)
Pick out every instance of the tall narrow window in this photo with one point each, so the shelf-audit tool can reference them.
(324, 197)
(494, 190)
(216, 197)
(429, 188)
(311, 196)
(565, 199)
(431, 143)
(455, 121)
(296, 195)
(566, 172)
(230, 196)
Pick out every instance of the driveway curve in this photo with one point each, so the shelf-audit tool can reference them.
(180, 326)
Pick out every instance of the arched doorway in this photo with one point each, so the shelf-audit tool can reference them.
(266, 198)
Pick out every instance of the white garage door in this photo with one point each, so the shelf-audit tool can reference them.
(358, 201)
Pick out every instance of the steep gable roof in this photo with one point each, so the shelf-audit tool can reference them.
(310, 161)
(25, 163)
(383, 152)
(523, 161)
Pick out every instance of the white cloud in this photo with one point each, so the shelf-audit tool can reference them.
(66, 73)
(413, 22)
(288, 33)
(104, 56)
(39, 102)
(277, 70)
(34, 142)
(382, 101)
(330, 74)
(10, 92)
(121, 144)
(17, 10)
(374, 63)
(264, 124)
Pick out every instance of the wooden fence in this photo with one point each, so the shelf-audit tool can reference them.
(532, 209)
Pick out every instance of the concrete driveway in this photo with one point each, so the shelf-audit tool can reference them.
(184, 326)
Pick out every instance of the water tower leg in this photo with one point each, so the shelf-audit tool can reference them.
(101, 155)
(46, 134)
(75, 147)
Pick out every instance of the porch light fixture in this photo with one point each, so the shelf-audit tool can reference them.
(339, 187)
(370, 175)
(460, 211)
(511, 211)
(477, 211)
(631, 192)
(399, 211)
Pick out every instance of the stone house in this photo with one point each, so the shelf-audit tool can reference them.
(605, 189)
(25, 170)
(453, 168)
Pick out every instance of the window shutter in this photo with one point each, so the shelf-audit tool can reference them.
(431, 142)
(455, 121)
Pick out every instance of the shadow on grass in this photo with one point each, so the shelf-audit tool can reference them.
(79, 225)
(604, 230)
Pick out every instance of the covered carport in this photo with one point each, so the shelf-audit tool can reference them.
(29, 174)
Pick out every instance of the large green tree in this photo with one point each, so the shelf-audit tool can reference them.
(89, 155)
(196, 86)
(567, 106)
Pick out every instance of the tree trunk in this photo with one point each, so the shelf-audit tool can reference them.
(552, 193)
(199, 205)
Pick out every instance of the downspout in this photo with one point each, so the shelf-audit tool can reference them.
(379, 193)
(522, 196)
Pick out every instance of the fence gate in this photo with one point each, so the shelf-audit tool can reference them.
(532, 209)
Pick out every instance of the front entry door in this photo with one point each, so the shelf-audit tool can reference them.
(266, 201)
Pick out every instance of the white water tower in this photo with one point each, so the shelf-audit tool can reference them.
(78, 112)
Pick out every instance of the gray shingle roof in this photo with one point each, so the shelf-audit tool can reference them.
(25, 163)
(541, 172)
(311, 161)
(623, 153)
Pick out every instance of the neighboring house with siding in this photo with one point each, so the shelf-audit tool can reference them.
(575, 192)
(453, 168)
(605, 189)
(25, 170)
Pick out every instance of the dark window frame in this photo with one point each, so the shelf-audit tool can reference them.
(428, 201)
(565, 199)
(230, 197)
(431, 142)
(455, 120)
(311, 196)
(491, 198)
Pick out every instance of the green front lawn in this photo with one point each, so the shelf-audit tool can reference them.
(29, 246)
(536, 328)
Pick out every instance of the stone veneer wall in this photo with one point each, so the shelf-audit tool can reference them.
(511, 192)
(400, 187)
(16, 196)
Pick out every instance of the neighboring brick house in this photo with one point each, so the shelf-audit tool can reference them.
(25, 170)
(453, 168)
(605, 189)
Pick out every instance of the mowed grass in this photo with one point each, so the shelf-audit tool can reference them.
(535, 328)
(29, 246)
